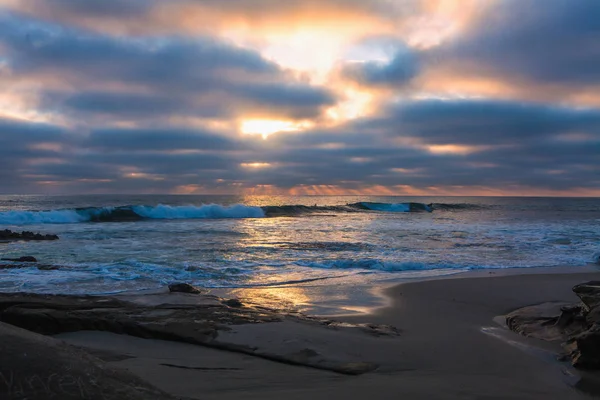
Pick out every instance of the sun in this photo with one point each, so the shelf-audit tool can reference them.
(266, 127)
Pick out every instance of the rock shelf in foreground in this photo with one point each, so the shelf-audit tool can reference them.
(206, 320)
(36, 367)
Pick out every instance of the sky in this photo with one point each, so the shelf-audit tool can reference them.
(300, 97)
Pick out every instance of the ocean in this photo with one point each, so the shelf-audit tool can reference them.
(116, 243)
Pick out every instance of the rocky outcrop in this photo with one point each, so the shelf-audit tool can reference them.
(202, 320)
(576, 326)
(21, 259)
(41, 267)
(9, 236)
(27, 262)
(185, 288)
(548, 321)
(589, 293)
(36, 367)
(236, 303)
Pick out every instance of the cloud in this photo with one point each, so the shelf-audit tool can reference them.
(201, 76)
(539, 42)
(485, 122)
(20, 143)
(398, 71)
(118, 103)
(143, 16)
(520, 145)
(148, 96)
(165, 139)
(514, 144)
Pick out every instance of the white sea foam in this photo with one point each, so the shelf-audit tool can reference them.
(41, 217)
(70, 216)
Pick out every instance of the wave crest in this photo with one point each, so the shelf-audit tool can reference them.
(210, 211)
(129, 213)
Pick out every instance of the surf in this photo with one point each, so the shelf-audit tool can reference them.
(132, 213)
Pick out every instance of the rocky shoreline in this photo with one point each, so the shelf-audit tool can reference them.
(575, 325)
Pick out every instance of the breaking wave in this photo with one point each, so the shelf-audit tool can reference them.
(129, 213)
(208, 211)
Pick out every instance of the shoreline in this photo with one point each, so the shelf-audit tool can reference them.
(447, 346)
(443, 350)
(367, 298)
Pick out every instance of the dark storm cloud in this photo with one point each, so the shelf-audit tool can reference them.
(24, 138)
(548, 41)
(250, 10)
(287, 95)
(16, 133)
(117, 165)
(157, 139)
(20, 143)
(101, 7)
(484, 122)
(175, 73)
(119, 103)
(401, 69)
(35, 45)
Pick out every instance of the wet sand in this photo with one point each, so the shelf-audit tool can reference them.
(449, 348)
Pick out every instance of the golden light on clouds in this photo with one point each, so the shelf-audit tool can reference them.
(256, 165)
(310, 52)
(355, 103)
(266, 127)
(454, 149)
(441, 20)
(376, 84)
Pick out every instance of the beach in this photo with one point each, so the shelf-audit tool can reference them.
(450, 346)
(206, 297)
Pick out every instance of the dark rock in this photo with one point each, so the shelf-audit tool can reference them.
(569, 315)
(41, 267)
(35, 367)
(420, 207)
(589, 293)
(593, 316)
(576, 325)
(586, 349)
(539, 321)
(185, 288)
(8, 235)
(233, 303)
(21, 259)
(206, 321)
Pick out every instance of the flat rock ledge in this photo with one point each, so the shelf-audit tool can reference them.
(36, 367)
(200, 319)
(575, 326)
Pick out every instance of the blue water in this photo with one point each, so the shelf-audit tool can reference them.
(115, 243)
